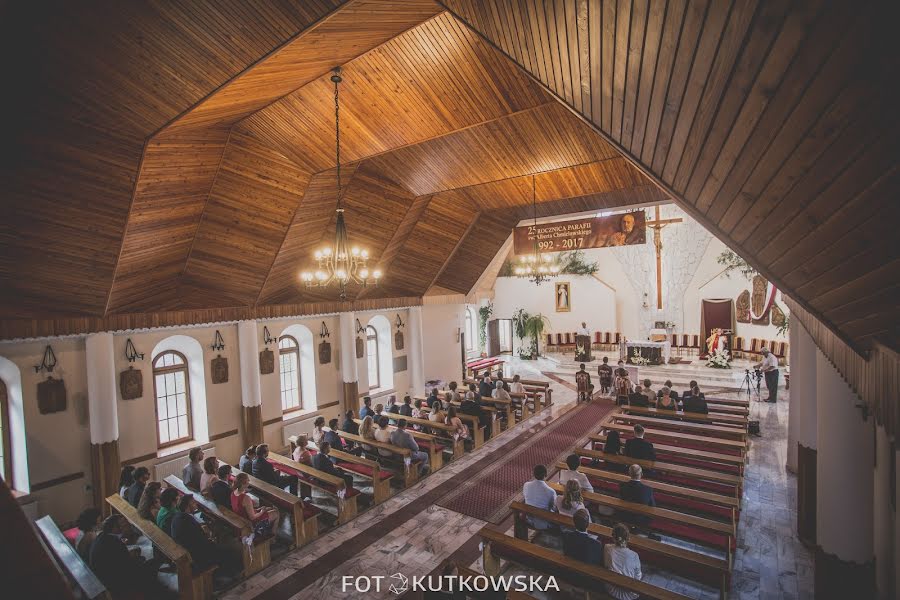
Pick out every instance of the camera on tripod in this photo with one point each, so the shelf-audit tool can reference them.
(757, 373)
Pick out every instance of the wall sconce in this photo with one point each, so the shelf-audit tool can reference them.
(218, 343)
(399, 322)
(267, 337)
(359, 327)
(47, 362)
(131, 352)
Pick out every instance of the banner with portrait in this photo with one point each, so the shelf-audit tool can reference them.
(593, 232)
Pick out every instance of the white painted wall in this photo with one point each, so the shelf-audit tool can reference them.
(442, 351)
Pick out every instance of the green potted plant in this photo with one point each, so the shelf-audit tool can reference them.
(484, 315)
(534, 328)
(520, 319)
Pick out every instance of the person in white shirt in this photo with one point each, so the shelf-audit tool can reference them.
(499, 393)
(651, 395)
(571, 501)
(572, 474)
(769, 366)
(516, 386)
(540, 495)
(619, 559)
(383, 435)
(584, 330)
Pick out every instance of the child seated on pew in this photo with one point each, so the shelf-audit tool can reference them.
(619, 559)
(301, 453)
(247, 458)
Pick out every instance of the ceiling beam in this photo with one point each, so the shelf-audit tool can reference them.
(455, 250)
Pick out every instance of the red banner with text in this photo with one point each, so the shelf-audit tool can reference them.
(594, 232)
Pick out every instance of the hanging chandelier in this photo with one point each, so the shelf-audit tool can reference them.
(537, 267)
(341, 263)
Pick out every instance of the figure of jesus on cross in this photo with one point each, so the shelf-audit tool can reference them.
(657, 226)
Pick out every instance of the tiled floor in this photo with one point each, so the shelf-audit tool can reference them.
(411, 534)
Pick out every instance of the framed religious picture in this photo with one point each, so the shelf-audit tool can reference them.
(563, 297)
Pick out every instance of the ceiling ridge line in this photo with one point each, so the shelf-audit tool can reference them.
(311, 27)
(352, 60)
(442, 135)
(134, 187)
(212, 186)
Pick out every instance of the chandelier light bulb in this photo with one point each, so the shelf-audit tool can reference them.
(365, 254)
(354, 251)
(341, 274)
(364, 273)
(377, 274)
(318, 255)
(320, 275)
(326, 251)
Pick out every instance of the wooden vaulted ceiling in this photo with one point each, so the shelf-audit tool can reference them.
(772, 123)
(155, 185)
(179, 156)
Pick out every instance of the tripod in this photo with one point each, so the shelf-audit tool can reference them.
(747, 385)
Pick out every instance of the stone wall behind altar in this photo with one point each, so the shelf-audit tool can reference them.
(614, 299)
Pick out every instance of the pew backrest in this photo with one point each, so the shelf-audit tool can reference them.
(74, 566)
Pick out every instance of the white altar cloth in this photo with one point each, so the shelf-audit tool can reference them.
(665, 346)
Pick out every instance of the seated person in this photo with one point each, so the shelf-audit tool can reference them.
(242, 505)
(665, 401)
(580, 545)
(613, 443)
(404, 439)
(167, 501)
(470, 406)
(452, 419)
(500, 393)
(406, 407)
(572, 473)
(376, 416)
(367, 432)
(474, 389)
(516, 387)
(88, 524)
(417, 410)
(486, 387)
(324, 463)
(540, 495)
(247, 458)
(349, 425)
(436, 415)
(392, 407)
(651, 395)
(639, 493)
(605, 372)
(301, 453)
(264, 471)
(455, 396)
(692, 386)
(318, 433)
(638, 397)
(331, 436)
(571, 501)
(148, 506)
(126, 478)
(210, 466)
(220, 490)
(121, 571)
(618, 558)
(637, 447)
(672, 392)
(193, 471)
(136, 490)
(433, 396)
(696, 402)
(189, 534)
(366, 409)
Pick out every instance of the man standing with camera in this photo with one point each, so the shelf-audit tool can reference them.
(769, 367)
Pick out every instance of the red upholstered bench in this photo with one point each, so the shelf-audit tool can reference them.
(427, 445)
(363, 470)
(669, 500)
(687, 532)
(71, 535)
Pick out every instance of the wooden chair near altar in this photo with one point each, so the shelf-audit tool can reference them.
(673, 341)
(737, 349)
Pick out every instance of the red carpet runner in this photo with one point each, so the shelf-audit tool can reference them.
(488, 494)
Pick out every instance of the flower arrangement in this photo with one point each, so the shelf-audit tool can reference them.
(637, 359)
(720, 359)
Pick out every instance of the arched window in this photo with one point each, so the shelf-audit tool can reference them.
(5, 443)
(289, 357)
(470, 330)
(373, 358)
(173, 398)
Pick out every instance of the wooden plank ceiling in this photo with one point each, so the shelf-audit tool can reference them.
(772, 123)
(175, 162)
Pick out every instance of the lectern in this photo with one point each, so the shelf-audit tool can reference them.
(583, 348)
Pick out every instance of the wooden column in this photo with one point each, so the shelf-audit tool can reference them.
(252, 425)
(105, 468)
(351, 397)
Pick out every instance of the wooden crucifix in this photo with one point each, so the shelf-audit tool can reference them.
(657, 226)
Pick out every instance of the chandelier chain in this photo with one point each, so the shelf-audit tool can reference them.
(336, 78)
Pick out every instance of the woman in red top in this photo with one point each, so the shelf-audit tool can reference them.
(243, 505)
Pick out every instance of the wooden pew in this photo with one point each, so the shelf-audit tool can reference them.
(253, 560)
(536, 390)
(361, 467)
(708, 532)
(711, 460)
(77, 571)
(727, 409)
(695, 565)
(330, 484)
(651, 467)
(410, 475)
(694, 417)
(435, 454)
(473, 423)
(687, 440)
(742, 402)
(304, 516)
(686, 426)
(584, 575)
(191, 585)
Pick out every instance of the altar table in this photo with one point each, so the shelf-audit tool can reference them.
(656, 352)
